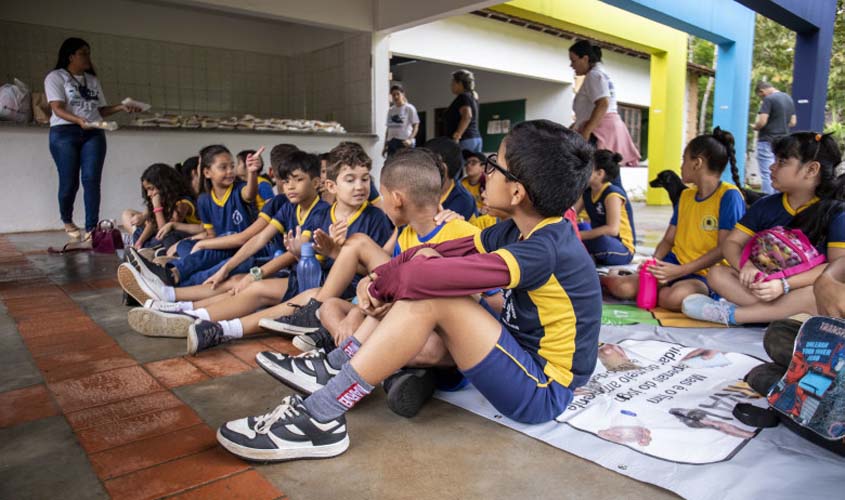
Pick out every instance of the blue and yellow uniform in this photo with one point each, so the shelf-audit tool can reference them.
(698, 222)
(452, 230)
(609, 250)
(264, 193)
(291, 216)
(459, 200)
(374, 197)
(474, 190)
(484, 221)
(271, 207)
(229, 214)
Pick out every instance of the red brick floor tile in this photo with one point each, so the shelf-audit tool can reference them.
(76, 287)
(249, 485)
(103, 388)
(58, 343)
(132, 429)
(101, 360)
(102, 415)
(23, 405)
(73, 356)
(104, 283)
(246, 350)
(34, 328)
(176, 476)
(153, 451)
(175, 372)
(282, 345)
(40, 288)
(33, 311)
(218, 363)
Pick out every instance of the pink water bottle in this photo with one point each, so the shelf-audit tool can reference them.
(647, 292)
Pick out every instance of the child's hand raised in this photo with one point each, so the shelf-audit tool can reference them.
(325, 244)
(338, 231)
(253, 161)
(294, 241)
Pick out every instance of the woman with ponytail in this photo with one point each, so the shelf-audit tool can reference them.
(812, 199)
(596, 117)
(461, 118)
(702, 220)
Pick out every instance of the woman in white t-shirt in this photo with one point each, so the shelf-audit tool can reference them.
(78, 148)
(403, 123)
(596, 117)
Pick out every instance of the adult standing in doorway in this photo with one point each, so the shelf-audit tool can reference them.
(596, 116)
(79, 149)
(775, 118)
(461, 118)
(403, 123)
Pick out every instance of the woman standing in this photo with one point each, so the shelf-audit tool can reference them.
(76, 100)
(461, 118)
(596, 117)
(403, 123)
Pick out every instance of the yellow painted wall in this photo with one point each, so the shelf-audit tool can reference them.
(668, 49)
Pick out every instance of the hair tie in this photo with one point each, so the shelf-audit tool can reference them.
(818, 138)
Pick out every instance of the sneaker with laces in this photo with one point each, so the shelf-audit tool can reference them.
(153, 323)
(306, 373)
(163, 306)
(303, 320)
(288, 432)
(204, 335)
(136, 285)
(148, 269)
(703, 308)
(408, 390)
(321, 339)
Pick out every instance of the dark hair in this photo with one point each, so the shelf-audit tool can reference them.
(608, 161)
(467, 79)
(68, 48)
(171, 187)
(450, 154)
(206, 158)
(278, 155)
(551, 161)
(718, 149)
(187, 169)
(583, 48)
(763, 85)
(346, 153)
(414, 171)
(397, 86)
(300, 160)
(807, 147)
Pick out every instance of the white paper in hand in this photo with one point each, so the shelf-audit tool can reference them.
(136, 104)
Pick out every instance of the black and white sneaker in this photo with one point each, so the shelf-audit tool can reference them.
(408, 390)
(306, 373)
(303, 320)
(163, 306)
(204, 335)
(288, 432)
(153, 323)
(149, 269)
(321, 339)
(136, 285)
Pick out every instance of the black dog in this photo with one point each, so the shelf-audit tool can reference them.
(671, 182)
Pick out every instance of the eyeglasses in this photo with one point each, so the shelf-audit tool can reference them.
(490, 165)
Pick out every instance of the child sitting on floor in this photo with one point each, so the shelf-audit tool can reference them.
(611, 239)
(702, 220)
(454, 196)
(473, 180)
(810, 199)
(526, 365)
(265, 187)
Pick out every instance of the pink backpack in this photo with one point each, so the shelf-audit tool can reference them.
(780, 252)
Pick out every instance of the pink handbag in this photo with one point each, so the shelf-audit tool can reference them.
(106, 238)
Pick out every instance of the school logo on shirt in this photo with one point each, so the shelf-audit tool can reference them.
(509, 311)
(237, 217)
(709, 223)
(600, 208)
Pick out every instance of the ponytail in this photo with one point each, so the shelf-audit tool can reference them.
(583, 48)
(727, 140)
(718, 149)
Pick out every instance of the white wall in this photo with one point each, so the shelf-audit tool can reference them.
(427, 87)
(631, 76)
(30, 181)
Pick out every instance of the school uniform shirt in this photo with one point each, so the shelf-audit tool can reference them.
(458, 200)
(595, 205)
(271, 207)
(452, 230)
(290, 216)
(474, 190)
(375, 196)
(191, 216)
(483, 221)
(698, 221)
(229, 214)
(552, 293)
(83, 96)
(265, 192)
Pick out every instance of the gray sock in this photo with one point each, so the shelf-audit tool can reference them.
(343, 352)
(342, 392)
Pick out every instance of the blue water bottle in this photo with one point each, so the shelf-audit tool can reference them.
(308, 270)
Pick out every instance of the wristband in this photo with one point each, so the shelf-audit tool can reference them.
(786, 288)
(158, 209)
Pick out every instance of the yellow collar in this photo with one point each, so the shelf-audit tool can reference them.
(543, 223)
(443, 198)
(792, 211)
(225, 198)
(595, 196)
(300, 218)
(352, 218)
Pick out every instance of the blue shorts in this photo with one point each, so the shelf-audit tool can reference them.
(671, 258)
(514, 383)
(609, 251)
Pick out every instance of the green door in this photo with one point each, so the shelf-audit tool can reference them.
(495, 119)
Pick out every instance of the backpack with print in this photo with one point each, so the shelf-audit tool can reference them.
(780, 252)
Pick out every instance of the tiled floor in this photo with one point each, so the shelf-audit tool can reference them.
(89, 409)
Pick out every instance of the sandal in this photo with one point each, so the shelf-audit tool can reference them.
(73, 232)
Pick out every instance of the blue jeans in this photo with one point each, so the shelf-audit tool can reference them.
(76, 150)
(765, 158)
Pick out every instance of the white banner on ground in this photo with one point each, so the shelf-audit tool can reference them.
(666, 400)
